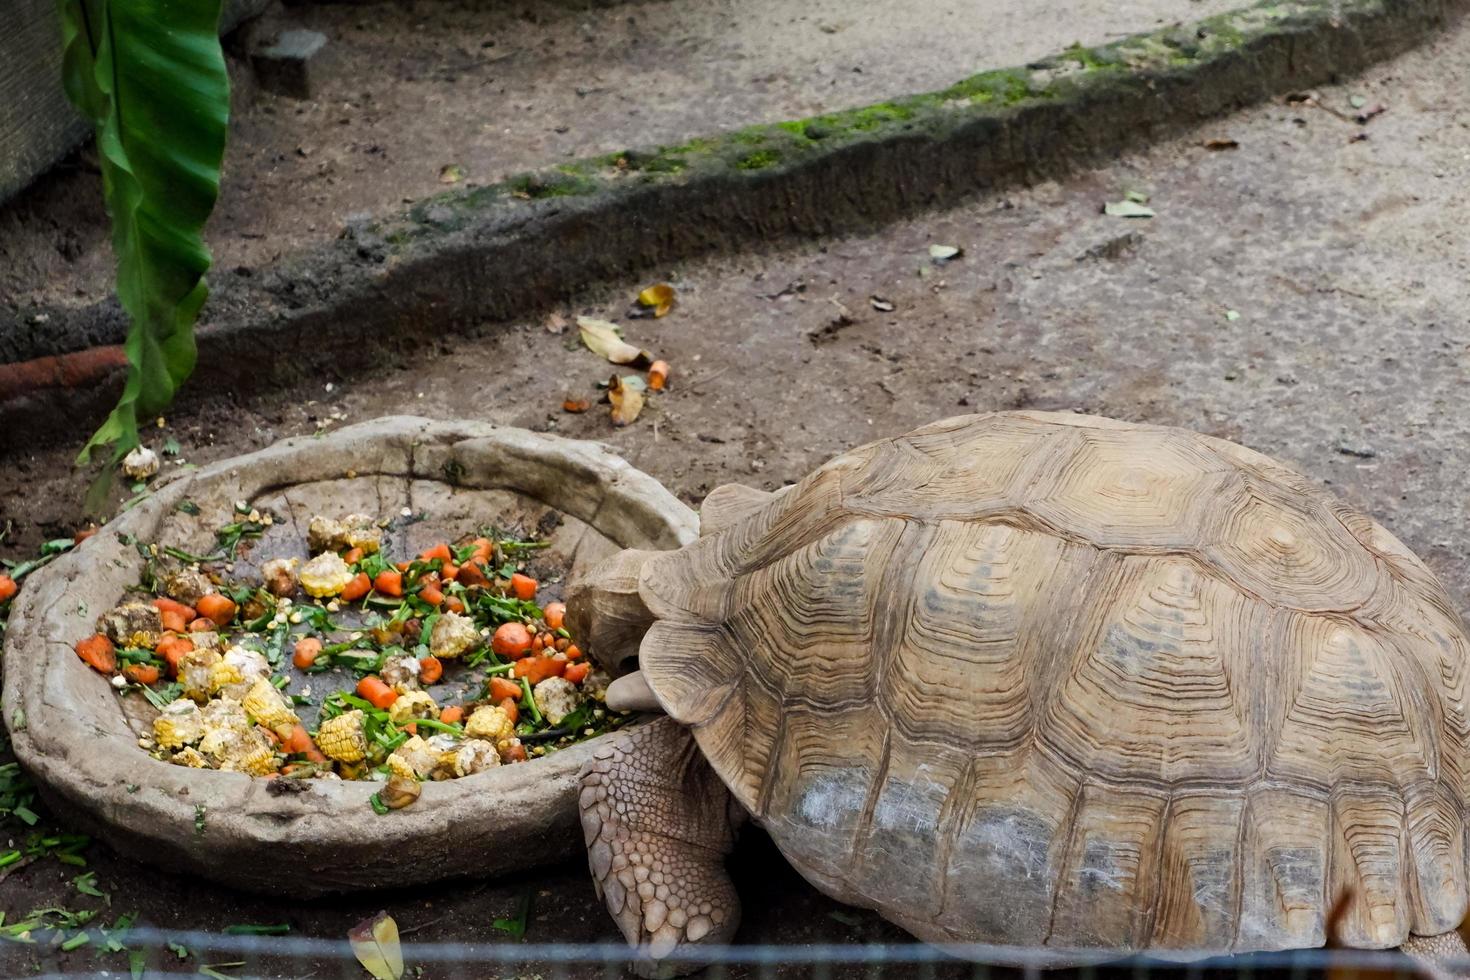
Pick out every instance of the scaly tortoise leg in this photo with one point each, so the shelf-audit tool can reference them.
(658, 824)
(1443, 957)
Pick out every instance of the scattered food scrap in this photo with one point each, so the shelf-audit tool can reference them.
(459, 622)
(658, 375)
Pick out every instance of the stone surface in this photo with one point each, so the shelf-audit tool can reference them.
(70, 731)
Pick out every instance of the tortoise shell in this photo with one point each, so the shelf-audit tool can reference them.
(1033, 678)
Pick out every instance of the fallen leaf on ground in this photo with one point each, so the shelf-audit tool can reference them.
(451, 173)
(1127, 209)
(1220, 143)
(943, 253)
(1358, 101)
(659, 298)
(575, 406)
(603, 338)
(880, 304)
(658, 375)
(376, 946)
(555, 323)
(1232, 315)
(626, 395)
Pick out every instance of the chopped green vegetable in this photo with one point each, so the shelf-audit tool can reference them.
(515, 927)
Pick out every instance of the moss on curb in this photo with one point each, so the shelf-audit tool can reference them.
(1076, 76)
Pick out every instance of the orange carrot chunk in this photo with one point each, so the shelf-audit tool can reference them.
(172, 650)
(372, 689)
(166, 605)
(511, 640)
(556, 614)
(217, 608)
(174, 622)
(201, 624)
(389, 582)
(99, 653)
(430, 670)
(439, 551)
(141, 673)
(353, 556)
(308, 648)
(523, 586)
(472, 573)
(431, 595)
(454, 605)
(452, 715)
(8, 588)
(360, 586)
(537, 669)
(501, 688)
(574, 652)
(512, 709)
(577, 673)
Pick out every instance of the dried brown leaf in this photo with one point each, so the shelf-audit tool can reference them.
(1220, 143)
(375, 944)
(604, 339)
(575, 406)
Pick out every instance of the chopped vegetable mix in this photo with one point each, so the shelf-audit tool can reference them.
(459, 622)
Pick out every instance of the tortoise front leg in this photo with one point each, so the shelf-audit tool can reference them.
(658, 824)
(1442, 957)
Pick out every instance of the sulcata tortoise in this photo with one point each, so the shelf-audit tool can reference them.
(1039, 680)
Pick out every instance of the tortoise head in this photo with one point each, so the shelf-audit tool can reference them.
(608, 617)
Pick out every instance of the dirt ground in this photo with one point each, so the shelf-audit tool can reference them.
(412, 87)
(1303, 294)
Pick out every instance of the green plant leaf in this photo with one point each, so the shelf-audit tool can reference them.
(150, 76)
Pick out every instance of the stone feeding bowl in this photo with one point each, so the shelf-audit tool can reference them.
(79, 739)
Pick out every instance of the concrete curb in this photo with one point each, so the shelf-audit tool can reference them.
(505, 251)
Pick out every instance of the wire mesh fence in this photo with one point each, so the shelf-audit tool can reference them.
(148, 951)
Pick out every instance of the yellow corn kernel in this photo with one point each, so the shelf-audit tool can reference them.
(264, 704)
(412, 705)
(491, 723)
(180, 723)
(341, 738)
(189, 757)
(399, 766)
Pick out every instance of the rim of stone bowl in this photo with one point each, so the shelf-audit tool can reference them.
(69, 731)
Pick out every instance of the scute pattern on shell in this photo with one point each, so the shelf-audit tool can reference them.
(1052, 679)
